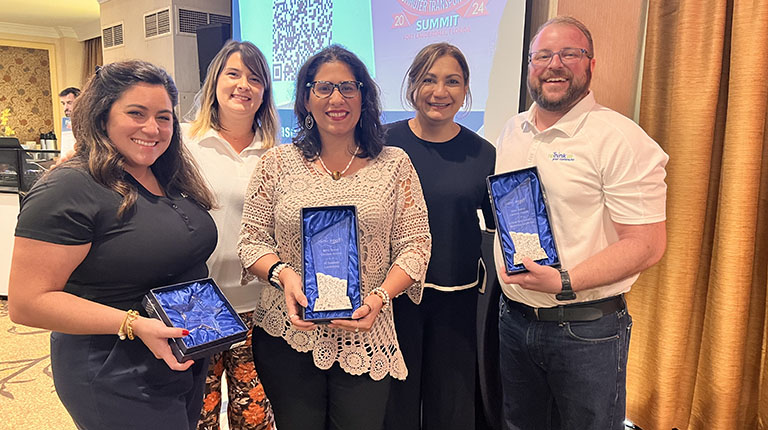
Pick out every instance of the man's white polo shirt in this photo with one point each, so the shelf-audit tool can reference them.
(597, 167)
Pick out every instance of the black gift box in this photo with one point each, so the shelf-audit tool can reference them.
(330, 243)
(520, 208)
(200, 307)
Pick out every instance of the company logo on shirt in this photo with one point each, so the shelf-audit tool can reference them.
(561, 156)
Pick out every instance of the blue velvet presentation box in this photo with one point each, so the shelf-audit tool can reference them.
(522, 219)
(200, 307)
(330, 262)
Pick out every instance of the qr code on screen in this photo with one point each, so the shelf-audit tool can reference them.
(299, 29)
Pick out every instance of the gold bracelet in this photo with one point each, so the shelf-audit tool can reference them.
(126, 328)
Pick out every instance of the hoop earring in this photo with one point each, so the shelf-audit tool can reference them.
(309, 122)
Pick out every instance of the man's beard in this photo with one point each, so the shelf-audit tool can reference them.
(576, 91)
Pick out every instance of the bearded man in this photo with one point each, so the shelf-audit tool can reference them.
(564, 333)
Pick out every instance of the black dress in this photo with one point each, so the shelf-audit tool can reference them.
(103, 382)
(438, 337)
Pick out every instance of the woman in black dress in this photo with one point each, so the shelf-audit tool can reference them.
(438, 337)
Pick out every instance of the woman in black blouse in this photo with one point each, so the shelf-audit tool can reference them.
(127, 213)
(438, 337)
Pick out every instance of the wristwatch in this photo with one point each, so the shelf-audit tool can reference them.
(567, 292)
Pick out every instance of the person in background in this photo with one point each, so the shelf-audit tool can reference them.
(67, 143)
(333, 376)
(564, 334)
(67, 98)
(127, 213)
(438, 337)
(235, 122)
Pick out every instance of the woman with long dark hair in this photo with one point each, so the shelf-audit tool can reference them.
(127, 213)
(334, 376)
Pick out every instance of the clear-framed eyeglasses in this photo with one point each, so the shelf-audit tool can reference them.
(543, 57)
(324, 89)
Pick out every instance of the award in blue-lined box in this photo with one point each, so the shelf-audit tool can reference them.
(522, 219)
(330, 259)
(200, 307)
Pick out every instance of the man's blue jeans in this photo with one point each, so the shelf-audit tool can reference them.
(569, 375)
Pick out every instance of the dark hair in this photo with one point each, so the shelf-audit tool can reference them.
(369, 133)
(69, 90)
(94, 152)
(206, 111)
(567, 20)
(423, 61)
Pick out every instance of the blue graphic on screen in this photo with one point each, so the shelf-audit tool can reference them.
(385, 34)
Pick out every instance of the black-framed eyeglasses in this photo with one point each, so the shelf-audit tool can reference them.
(324, 89)
(567, 56)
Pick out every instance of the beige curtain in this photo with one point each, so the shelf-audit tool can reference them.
(92, 57)
(699, 354)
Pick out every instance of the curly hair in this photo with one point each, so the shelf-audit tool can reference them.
(205, 114)
(95, 153)
(369, 133)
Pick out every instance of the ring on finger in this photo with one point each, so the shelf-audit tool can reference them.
(290, 317)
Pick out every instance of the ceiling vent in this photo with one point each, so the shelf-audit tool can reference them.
(112, 36)
(157, 23)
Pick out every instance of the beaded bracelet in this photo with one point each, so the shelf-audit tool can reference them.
(383, 295)
(273, 276)
(126, 328)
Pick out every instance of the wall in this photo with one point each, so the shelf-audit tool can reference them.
(185, 51)
(176, 53)
(618, 31)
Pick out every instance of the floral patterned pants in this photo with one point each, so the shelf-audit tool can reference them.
(248, 407)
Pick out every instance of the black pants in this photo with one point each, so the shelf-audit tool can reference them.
(305, 397)
(106, 383)
(439, 343)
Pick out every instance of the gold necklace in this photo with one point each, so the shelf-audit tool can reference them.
(336, 175)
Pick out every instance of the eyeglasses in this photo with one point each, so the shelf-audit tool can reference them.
(567, 56)
(324, 89)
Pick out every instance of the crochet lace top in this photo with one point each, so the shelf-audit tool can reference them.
(393, 229)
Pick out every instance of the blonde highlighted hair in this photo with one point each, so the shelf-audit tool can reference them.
(206, 110)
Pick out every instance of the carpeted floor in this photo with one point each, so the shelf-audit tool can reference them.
(28, 399)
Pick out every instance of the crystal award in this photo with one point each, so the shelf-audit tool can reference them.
(519, 212)
(330, 254)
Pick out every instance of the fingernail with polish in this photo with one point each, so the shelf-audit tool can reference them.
(185, 332)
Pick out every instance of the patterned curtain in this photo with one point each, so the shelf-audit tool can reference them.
(699, 355)
(92, 57)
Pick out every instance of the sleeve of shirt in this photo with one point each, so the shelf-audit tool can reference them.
(411, 240)
(633, 178)
(61, 208)
(257, 233)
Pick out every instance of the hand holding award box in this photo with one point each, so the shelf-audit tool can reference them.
(522, 219)
(200, 307)
(330, 259)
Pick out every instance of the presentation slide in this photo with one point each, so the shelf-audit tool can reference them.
(386, 35)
